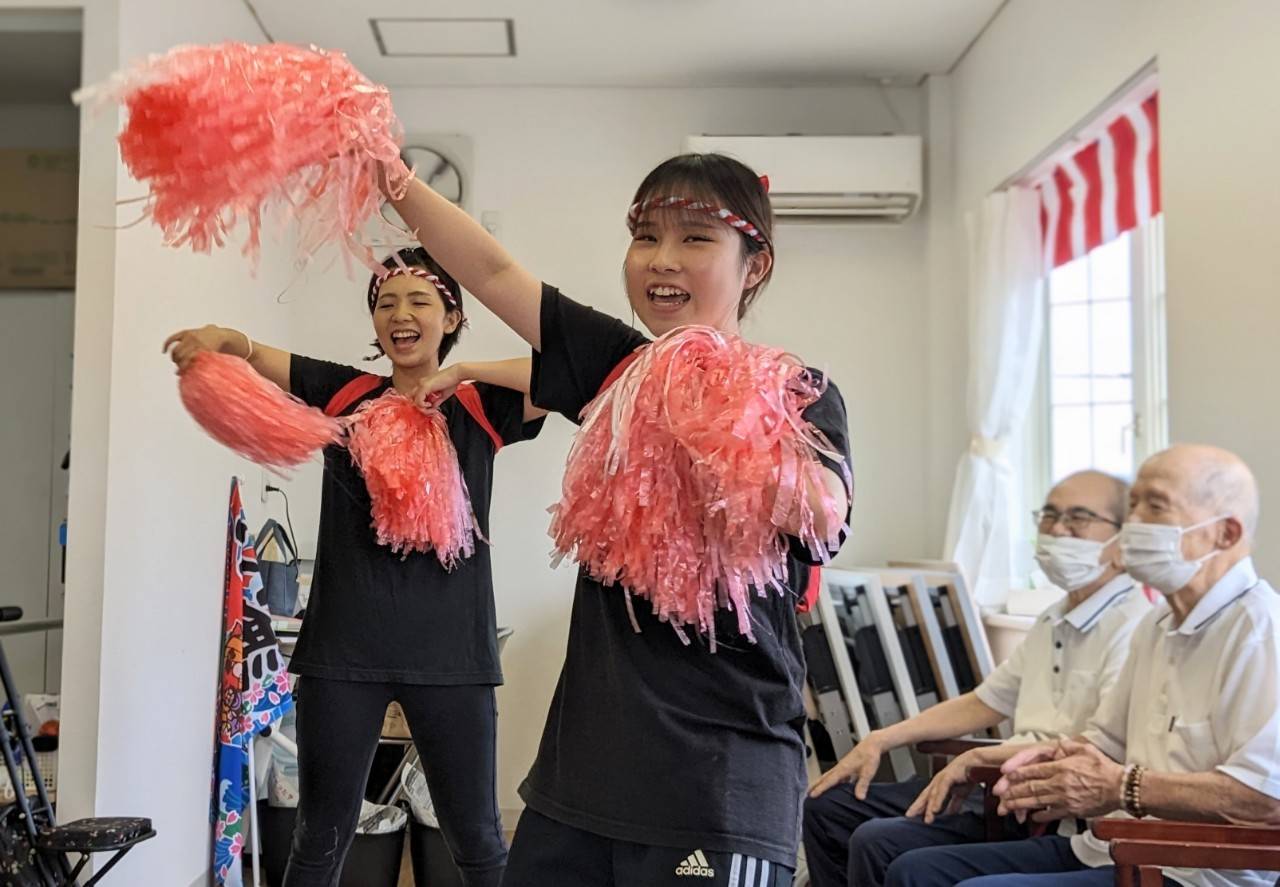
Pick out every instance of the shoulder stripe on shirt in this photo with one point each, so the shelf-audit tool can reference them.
(619, 368)
(361, 385)
(469, 397)
(351, 392)
(1098, 615)
(1214, 615)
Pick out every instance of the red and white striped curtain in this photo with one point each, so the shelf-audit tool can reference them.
(1106, 188)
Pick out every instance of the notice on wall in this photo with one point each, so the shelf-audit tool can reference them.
(38, 199)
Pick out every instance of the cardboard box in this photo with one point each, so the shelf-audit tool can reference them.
(38, 199)
(394, 726)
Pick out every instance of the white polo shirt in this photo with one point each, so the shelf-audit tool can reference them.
(1199, 697)
(1052, 683)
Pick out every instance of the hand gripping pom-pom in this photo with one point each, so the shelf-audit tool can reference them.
(420, 500)
(217, 132)
(244, 411)
(684, 470)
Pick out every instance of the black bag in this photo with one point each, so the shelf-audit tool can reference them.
(279, 578)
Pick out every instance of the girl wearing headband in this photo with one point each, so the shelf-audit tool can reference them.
(382, 626)
(661, 763)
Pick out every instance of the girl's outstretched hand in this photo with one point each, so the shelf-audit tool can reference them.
(186, 344)
(436, 389)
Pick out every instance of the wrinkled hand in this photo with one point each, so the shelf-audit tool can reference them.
(858, 766)
(183, 345)
(947, 791)
(436, 389)
(1074, 779)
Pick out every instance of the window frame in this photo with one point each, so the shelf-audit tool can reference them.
(1150, 431)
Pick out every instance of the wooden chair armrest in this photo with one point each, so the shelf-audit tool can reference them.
(1183, 855)
(1165, 830)
(953, 747)
(987, 776)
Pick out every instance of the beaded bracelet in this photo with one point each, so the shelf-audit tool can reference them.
(1131, 794)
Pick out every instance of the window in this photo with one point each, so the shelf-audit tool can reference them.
(1090, 322)
(1102, 402)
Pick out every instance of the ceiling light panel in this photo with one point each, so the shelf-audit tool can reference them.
(445, 37)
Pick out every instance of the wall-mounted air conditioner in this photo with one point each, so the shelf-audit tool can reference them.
(831, 178)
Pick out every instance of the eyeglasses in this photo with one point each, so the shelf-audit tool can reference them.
(1074, 519)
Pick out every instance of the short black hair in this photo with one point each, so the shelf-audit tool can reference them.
(417, 257)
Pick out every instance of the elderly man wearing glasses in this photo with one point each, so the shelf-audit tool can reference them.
(854, 828)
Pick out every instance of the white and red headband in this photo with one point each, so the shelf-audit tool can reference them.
(447, 294)
(730, 218)
(744, 226)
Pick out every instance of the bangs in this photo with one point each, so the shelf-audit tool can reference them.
(679, 186)
(680, 217)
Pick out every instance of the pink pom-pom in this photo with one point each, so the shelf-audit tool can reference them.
(684, 470)
(251, 415)
(420, 500)
(218, 131)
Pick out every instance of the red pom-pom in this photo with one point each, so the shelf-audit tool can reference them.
(685, 468)
(420, 500)
(251, 415)
(217, 131)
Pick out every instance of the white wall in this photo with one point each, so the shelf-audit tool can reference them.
(560, 166)
(1039, 70)
(148, 491)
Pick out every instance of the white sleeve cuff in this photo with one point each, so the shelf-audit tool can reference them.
(1265, 784)
(991, 698)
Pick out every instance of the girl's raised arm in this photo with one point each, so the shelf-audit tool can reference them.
(474, 258)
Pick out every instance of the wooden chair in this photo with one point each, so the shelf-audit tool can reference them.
(1142, 847)
(942, 750)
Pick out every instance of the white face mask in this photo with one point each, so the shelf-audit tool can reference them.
(1152, 554)
(1069, 562)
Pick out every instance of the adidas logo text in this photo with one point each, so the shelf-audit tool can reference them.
(696, 866)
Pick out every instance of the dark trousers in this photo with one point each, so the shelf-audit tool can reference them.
(850, 843)
(1035, 862)
(454, 730)
(546, 853)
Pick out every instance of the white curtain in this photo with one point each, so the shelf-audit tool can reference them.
(1006, 319)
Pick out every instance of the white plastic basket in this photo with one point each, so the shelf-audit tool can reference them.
(47, 761)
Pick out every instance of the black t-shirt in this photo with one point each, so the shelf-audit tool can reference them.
(375, 615)
(649, 740)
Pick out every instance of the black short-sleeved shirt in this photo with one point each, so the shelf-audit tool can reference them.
(649, 740)
(375, 615)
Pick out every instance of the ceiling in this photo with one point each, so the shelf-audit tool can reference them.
(642, 42)
(39, 56)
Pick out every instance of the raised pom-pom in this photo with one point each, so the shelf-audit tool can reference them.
(219, 131)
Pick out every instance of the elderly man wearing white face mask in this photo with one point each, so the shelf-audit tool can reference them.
(1191, 729)
(1050, 687)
